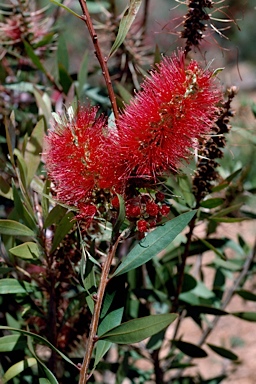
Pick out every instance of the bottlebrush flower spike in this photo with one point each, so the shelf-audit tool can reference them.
(73, 157)
(176, 105)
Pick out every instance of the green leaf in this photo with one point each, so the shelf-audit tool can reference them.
(185, 187)
(189, 349)
(24, 214)
(42, 380)
(229, 264)
(34, 58)
(45, 199)
(62, 229)
(22, 167)
(197, 309)
(223, 352)
(8, 286)
(62, 53)
(196, 247)
(64, 78)
(34, 149)
(121, 216)
(155, 242)
(55, 215)
(17, 368)
(249, 316)
(211, 203)
(234, 174)
(228, 219)
(56, 2)
(253, 109)
(212, 248)
(10, 136)
(216, 71)
(50, 376)
(226, 211)
(125, 24)
(114, 318)
(40, 339)
(246, 295)
(5, 189)
(136, 330)
(12, 343)
(14, 228)
(125, 95)
(44, 103)
(27, 250)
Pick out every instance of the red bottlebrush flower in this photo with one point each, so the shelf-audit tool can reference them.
(142, 226)
(160, 196)
(115, 202)
(164, 210)
(132, 210)
(87, 212)
(152, 209)
(176, 105)
(73, 156)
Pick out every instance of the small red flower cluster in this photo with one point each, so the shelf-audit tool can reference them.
(90, 162)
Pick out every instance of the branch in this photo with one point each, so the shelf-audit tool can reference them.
(96, 314)
(102, 60)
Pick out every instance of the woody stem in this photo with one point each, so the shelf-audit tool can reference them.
(102, 60)
(96, 313)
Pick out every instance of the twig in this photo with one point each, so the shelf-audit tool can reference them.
(96, 313)
(102, 60)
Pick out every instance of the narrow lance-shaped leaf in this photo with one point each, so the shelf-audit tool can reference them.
(17, 368)
(40, 339)
(249, 316)
(27, 250)
(5, 189)
(56, 2)
(136, 330)
(34, 149)
(189, 349)
(10, 136)
(14, 228)
(223, 352)
(121, 216)
(11, 286)
(114, 318)
(63, 228)
(12, 343)
(212, 248)
(50, 376)
(34, 58)
(246, 295)
(125, 24)
(154, 243)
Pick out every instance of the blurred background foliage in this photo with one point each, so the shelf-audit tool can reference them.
(48, 291)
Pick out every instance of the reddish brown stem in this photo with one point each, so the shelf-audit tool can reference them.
(96, 313)
(102, 60)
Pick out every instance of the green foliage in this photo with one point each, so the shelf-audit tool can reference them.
(189, 268)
